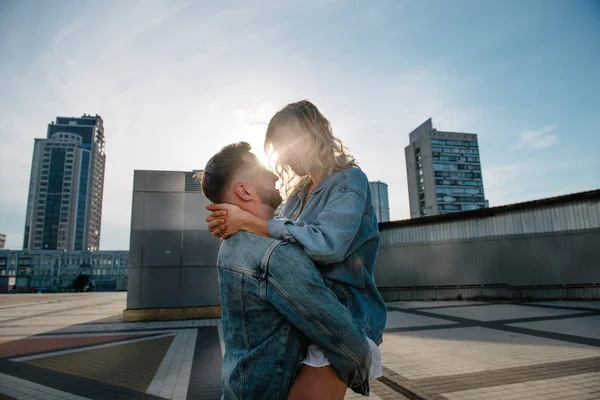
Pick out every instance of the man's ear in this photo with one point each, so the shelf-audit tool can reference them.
(242, 192)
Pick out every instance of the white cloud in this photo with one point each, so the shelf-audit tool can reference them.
(239, 114)
(538, 139)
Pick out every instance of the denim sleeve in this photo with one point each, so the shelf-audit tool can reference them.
(296, 289)
(326, 240)
(278, 230)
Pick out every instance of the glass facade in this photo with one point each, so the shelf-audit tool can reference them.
(380, 201)
(457, 173)
(54, 186)
(67, 168)
(86, 132)
(82, 199)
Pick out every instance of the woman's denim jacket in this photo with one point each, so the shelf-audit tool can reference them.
(338, 231)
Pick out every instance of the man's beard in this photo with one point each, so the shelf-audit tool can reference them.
(270, 197)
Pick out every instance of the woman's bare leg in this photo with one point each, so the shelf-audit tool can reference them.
(321, 383)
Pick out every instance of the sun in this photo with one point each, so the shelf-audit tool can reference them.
(263, 158)
(255, 135)
(268, 160)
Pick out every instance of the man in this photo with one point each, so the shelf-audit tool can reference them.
(273, 298)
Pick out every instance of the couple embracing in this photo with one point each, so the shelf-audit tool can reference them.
(302, 317)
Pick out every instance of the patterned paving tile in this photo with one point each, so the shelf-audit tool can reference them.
(37, 345)
(172, 379)
(478, 380)
(579, 387)
(585, 304)
(205, 378)
(432, 304)
(20, 389)
(135, 326)
(585, 326)
(131, 365)
(474, 351)
(496, 312)
(379, 391)
(424, 354)
(398, 319)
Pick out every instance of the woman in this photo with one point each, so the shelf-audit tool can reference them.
(329, 212)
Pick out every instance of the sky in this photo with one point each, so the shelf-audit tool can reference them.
(174, 81)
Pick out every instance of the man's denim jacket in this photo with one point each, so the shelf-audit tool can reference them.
(339, 232)
(273, 299)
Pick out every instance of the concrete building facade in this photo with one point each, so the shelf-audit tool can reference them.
(173, 256)
(381, 203)
(64, 205)
(443, 172)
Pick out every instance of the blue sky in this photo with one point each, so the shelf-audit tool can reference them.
(175, 81)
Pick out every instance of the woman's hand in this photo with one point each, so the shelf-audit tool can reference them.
(225, 219)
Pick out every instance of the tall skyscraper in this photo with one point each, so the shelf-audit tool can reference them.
(381, 204)
(2, 240)
(443, 171)
(64, 207)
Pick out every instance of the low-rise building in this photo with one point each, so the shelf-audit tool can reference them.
(57, 269)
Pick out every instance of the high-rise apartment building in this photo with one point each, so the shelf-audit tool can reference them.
(2, 241)
(64, 207)
(381, 204)
(443, 171)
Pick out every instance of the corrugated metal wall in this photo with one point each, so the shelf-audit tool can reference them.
(535, 248)
(564, 217)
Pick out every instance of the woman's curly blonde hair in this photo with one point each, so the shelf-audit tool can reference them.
(325, 150)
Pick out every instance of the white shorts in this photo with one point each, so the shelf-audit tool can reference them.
(316, 358)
